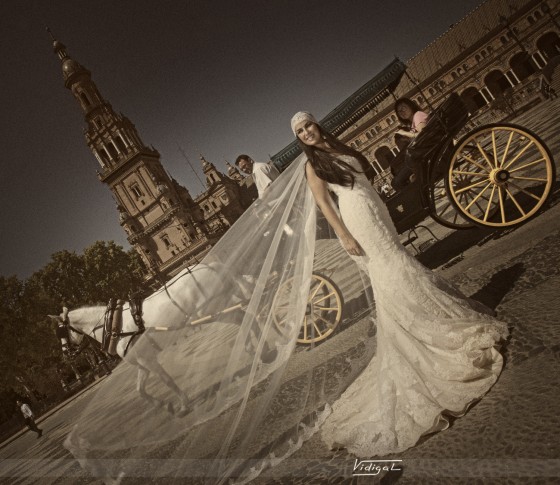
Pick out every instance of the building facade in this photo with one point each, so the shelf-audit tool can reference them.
(499, 58)
(164, 224)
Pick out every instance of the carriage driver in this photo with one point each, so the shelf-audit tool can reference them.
(62, 329)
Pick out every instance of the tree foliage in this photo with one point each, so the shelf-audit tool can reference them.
(29, 350)
(27, 346)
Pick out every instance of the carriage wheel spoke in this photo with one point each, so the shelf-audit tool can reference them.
(494, 149)
(512, 161)
(473, 174)
(445, 208)
(519, 208)
(487, 212)
(327, 324)
(283, 307)
(323, 304)
(507, 149)
(484, 154)
(476, 164)
(282, 321)
(323, 298)
(526, 192)
(527, 165)
(521, 152)
(478, 196)
(482, 197)
(316, 290)
(317, 328)
(464, 189)
(532, 179)
(502, 204)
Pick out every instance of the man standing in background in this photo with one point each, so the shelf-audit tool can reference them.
(263, 173)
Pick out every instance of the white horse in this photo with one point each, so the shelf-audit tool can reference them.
(74, 343)
(179, 303)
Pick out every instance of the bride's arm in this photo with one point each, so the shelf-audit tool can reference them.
(323, 199)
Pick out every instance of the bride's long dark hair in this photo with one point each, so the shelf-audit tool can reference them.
(329, 167)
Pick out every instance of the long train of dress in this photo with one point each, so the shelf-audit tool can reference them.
(436, 349)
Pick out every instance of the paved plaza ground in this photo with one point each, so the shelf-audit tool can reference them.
(511, 436)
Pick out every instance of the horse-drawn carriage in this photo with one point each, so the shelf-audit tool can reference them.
(496, 175)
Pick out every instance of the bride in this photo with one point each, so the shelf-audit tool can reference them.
(433, 354)
(436, 352)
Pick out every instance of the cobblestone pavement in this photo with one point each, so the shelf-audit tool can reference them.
(509, 437)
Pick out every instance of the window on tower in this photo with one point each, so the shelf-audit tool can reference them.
(166, 241)
(104, 155)
(136, 190)
(85, 99)
(112, 150)
(120, 144)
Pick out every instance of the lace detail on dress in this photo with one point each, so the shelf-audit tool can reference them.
(435, 349)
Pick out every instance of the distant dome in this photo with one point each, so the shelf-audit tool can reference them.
(231, 169)
(205, 163)
(70, 66)
(57, 45)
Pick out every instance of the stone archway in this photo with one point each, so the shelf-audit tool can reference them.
(384, 156)
(549, 45)
(522, 65)
(497, 83)
(473, 99)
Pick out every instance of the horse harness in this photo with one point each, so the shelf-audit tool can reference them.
(113, 322)
(63, 330)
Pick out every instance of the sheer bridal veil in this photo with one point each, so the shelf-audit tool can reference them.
(250, 350)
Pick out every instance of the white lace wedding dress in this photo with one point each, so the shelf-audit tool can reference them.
(436, 350)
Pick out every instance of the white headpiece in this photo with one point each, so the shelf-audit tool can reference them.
(301, 116)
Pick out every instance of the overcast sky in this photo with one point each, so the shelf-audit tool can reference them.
(216, 78)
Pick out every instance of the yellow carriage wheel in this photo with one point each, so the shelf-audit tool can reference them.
(440, 206)
(500, 175)
(323, 312)
(442, 209)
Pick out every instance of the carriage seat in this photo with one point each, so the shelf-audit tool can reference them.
(443, 124)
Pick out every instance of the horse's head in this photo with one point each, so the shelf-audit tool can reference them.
(84, 320)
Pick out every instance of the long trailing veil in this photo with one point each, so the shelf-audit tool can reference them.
(255, 392)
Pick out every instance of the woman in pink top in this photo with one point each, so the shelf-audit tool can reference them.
(410, 115)
(413, 121)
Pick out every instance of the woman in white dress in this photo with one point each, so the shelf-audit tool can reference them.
(247, 410)
(436, 349)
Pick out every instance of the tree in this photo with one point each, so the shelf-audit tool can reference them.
(62, 279)
(27, 347)
(29, 350)
(103, 271)
(110, 272)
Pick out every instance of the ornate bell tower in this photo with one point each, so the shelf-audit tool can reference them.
(162, 221)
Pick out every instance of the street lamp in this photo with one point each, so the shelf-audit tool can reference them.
(506, 25)
(546, 9)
